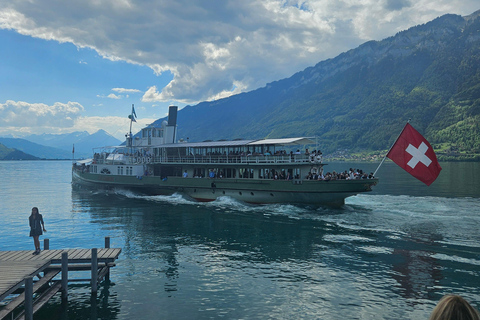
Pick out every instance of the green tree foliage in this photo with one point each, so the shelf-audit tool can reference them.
(361, 99)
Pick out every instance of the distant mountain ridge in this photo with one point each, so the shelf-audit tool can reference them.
(361, 99)
(14, 154)
(60, 146)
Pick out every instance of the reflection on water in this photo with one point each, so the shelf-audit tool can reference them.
(221, 254)
(83, 305)
(390, 254)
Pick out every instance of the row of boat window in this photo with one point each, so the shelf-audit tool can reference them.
(245, 173)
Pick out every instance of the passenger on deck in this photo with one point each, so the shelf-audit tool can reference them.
(185, 174)
(211, 174)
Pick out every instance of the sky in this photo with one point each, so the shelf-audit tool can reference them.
(80, 65)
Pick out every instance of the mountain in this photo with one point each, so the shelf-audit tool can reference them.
(59, 146)
(60, 141)
(361, 99)
(35, 149)
(84, 146)
(83, 141)
(14, 154)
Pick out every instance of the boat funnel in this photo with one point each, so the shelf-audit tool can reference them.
(170, 135)
(172, 115)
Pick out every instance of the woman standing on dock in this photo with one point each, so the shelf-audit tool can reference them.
(36, 227)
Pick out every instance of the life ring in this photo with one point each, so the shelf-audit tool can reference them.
(143, 160)
(149, 159)
(312, 158)
(135, 160)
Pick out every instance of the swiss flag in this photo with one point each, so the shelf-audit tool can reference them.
(415, 155)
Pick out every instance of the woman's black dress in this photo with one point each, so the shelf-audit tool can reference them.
(36, 225)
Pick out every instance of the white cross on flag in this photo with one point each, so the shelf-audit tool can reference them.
(415, 155)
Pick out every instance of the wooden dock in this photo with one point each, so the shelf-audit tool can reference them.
(18, 268)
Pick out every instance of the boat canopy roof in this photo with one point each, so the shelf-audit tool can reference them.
(284, 141)
(234, 143)
(84, 161)
(219, 143)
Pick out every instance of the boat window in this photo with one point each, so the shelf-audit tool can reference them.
(230, 173)
(245, 173)
(199, 172)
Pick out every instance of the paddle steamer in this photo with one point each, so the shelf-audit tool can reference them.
(254, 171)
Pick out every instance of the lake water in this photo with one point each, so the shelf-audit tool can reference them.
(389, 254)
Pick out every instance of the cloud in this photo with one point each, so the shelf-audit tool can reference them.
(17, 114)
(114, 96)
(120, 90)
(151, 95)
(213, 46)
(116, 126)
(123, 90)
(22, 118)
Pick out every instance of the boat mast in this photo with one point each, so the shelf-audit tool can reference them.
(132, 117)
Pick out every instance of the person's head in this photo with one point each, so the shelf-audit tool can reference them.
(453, 307)
(34, 210)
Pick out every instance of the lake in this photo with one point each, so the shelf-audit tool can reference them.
(389, 254)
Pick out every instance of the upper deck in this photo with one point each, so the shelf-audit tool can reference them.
(264, 151)
(250, 159)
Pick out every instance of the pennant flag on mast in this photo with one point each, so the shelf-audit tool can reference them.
(133, 116)
(415, 155)
(133, 111)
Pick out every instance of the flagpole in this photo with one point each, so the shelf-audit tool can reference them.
(130, 138)
(131, 120)
(383, 160)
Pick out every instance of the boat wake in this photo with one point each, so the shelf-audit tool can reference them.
(225, 204)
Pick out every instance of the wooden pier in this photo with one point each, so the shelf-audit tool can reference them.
(19, 268)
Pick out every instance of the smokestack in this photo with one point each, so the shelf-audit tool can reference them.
(170, 134)
(172, 115)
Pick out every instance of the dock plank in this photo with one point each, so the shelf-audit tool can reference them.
(19, 300)
(13, 274)
(17, 265)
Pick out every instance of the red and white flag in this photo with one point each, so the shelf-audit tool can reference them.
(415, 155)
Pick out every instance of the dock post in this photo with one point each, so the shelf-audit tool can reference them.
(94, 280)
(29, 298)
(64, 275)
(107, 245)
(46, 244)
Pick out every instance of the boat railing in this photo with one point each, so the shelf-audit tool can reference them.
(201, 159)
(207, 159)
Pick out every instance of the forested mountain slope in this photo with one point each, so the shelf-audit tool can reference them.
(361, 99)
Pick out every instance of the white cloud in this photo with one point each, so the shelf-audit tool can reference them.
(22, 118)
(123, 90)
(116, 126)
(16, 114)
(114, 96)
(211, 47)
(151, 95)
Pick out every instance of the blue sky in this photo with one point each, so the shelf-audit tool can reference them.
(79, 65)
